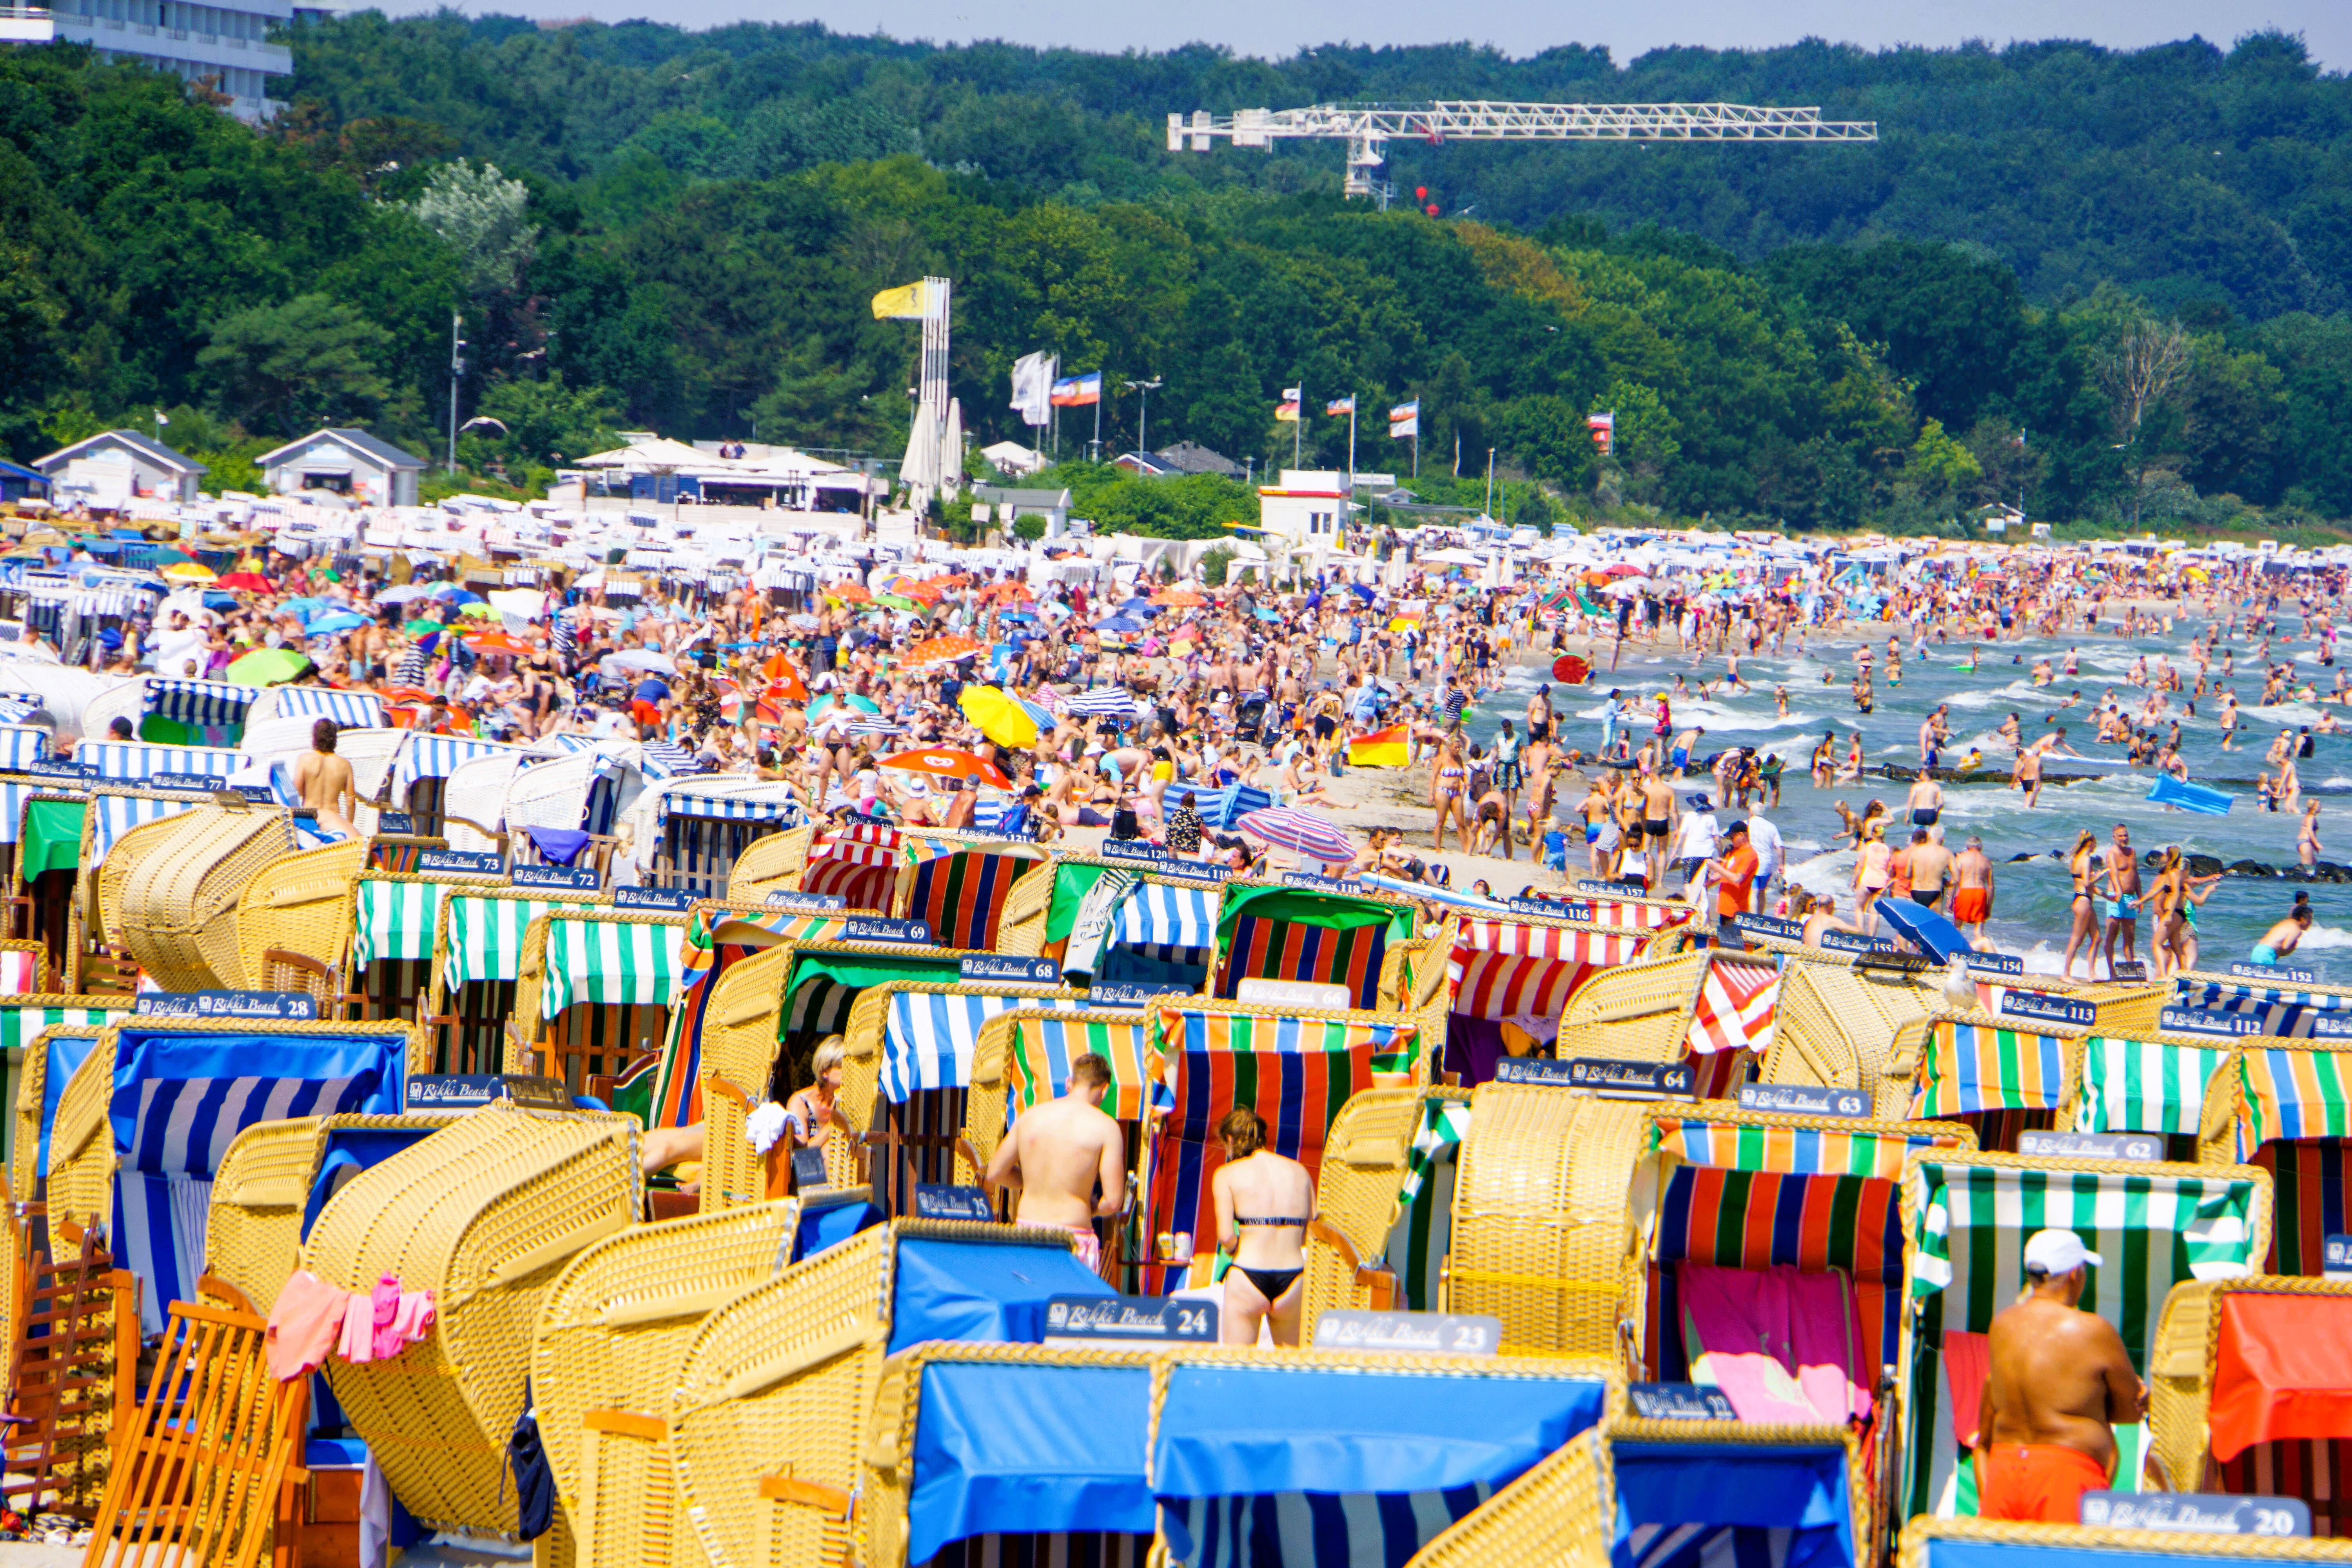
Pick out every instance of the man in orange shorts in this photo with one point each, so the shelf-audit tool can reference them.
(2059, 1380)
(1972, 896)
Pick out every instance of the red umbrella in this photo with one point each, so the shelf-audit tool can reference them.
(944, 650)
(946, 762)
(497, 642)
(849, 593)
(1622, 569)
(251, 582)
(1570, 668)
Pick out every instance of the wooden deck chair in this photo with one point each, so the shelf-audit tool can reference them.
(952, 1473)
(592, 992)
(71, 1364)
(183, 1090)
(2002, 1076)
(1308, 1453)
(171, 890)
(2288, 1110)
(771, 863)
(1836, 1023)
(485, 1214)
(301, 906)
(2246, 1395)
(1368, 1161)
(477, 946)
(962, 893)
(276, 1179)
(1996, 1543)
(1293, 933)
(912, 1049)
(396, 919)
(772, 1407)
(606, 1349)
(1506, 967)
(1715, 1009)
(2158, 1225)
(1619, 1493)
(1296, 1069)
(766, 1015)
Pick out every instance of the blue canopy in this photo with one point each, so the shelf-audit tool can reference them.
(67, 1053)
(180, 1097)
(982, 1290)
(1677, 1502)
(1949, 1554)
(826, 1225)
(1228, 1431)
(1922, 928)
(1015, 1448)
(349, 1151)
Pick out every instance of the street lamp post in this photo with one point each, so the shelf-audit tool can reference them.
(1144, 419)
(456, 369)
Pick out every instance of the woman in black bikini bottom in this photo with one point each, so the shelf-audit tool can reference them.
(1267, 1249)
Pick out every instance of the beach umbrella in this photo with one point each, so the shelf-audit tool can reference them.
(1302, 832)
(999, 718)
(481, 611)
(1103, 702)
(1621, 569)
(1178, 599)
(497, 642)
(420, 626)
(944, 651)
(786, 684)
(268, 665)
(190, 572)
(1042, 716)
(250, 582)
(893, 601)
(399, 595)
(947, 763)
(335, 621)
(928, 593)
(640, 659)
(848, 593)
(1120, 625)
(1570, 668)
(1006, 591)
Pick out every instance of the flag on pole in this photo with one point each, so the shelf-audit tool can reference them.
(1033, 387)
(1404, 420)
(909, 301)
(1604, 431)
(1078, 391)
(1289, 407)
(1381, 748)
(1340, 406)
(162, 418)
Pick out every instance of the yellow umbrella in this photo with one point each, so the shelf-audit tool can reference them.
(1404, 623)
(999, 718)
(190, 572)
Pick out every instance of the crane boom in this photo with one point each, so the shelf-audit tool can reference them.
(1366, 127)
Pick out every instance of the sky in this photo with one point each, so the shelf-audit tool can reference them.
(1518, 27)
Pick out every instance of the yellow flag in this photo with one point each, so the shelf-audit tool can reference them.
(898, 304)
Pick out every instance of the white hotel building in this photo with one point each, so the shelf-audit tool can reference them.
(222, 45)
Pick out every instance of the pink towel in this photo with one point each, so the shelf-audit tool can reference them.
(409, 1319)
(358, 1341)
(1782, 1345)
(304, 1323)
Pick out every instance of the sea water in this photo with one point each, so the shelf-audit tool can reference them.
(2031, 897)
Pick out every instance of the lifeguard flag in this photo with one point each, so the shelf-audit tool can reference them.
(1381, 748)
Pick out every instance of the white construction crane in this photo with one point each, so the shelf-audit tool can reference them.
(1366, 127)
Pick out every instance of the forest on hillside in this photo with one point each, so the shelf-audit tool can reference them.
(2113, 283)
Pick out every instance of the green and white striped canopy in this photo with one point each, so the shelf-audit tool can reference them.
(484, 936)
(20, 1022)
(2144, 1086)
(395, 919)
(609, 960)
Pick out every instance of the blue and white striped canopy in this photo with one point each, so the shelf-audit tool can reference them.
(663, 761)
(212, 704)
(930, 1037)
(15, 708)
(436, 757)
(732, 807)
(134, 760)
(1157, 917)
(22, 745)
(356, 709)
(116, 815)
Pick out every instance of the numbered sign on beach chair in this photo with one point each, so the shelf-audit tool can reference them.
(1002, 1454)
(772, 1405)
(1964, 1225)
(1291, 933)
(1677, 1494)
(2289, 1112)
(2292, 1011)
(1987, 1072)
(1305, 1456)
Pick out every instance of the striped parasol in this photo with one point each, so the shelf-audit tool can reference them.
(1302, 832)
(1103, 702)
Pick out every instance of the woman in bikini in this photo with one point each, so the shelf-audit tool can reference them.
(1263, 1205)
(1448, 784)
(2086, 914)
(1870, 876)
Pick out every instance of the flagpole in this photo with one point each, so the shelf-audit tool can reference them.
(1097, 419)
(1298, 426)
(1351, 448)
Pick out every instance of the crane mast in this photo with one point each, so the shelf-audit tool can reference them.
(1366, 127)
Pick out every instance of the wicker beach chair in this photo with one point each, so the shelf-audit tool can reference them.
(1298, 933)
(1540, 1231)
(1040, 910)
(277, 1178)
(1309, 1452)
(1965, 1224)
(769, 864)
(715, 938)
(773, 1402)
(1022, 1058)
(699, 835)
(2246, 1393)
(1929, 1543)
(395, 918)
(1354, 1241)
(1498, 968)
(960, 888)
(858, 864)
(145, 1121)
(1715, 1009)
(2155, 1083)
(2281, 1009)
(1621, 1493)
(299, 908)
(2288, 1109)
(485, 1214)
(593, 990)
(1837, 1023)
(478, 943)
(171, 890)
(605, 1350)
(2002, 1076)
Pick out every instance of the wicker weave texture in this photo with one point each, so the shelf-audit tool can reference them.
(303, 904)
(253, 1233)
(770, 863)
(1636, 1012)
(1924, 1529)
(605, 1352)
(1020, 929)
(176, 909)
(1356, 1193)
(1540, 1227)
(485, 1214)
(2181, 1366)
(741, 1034)
(1836, 1026)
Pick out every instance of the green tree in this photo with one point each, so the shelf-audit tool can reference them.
(478, 213)
(547, 423)
(289, 368)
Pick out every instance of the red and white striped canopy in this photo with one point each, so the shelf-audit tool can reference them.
(859, 864)
(1502, 969)
(1737, 1007)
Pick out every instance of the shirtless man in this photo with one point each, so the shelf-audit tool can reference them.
(2122, 874)
(1686, 747)
(1925, 801)
(1972, 892)
(2281, 938)
(2059, 1381)
(1595, 812)
(1659, 810)
(1930, 864)
(1060, 1152)
(323, 780)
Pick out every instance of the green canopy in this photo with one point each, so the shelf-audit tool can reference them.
(52, 840)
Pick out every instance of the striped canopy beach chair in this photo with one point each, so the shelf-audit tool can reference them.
(2288, 1110)
(592, 992)
(395, 920)
(1715, 1009)
(1966, 1219)
(1511, 969)
(1834, 1023)
(1677, 1494)
(1321, 1456)
(477, 963)
(1989, 1072)
(704, 829)
(858, 864)
(1293, 933)
(2288, 1009)
(2149, 1083)
(1383, 1203)
(194, 712)
(1165, 929)
(714, 938)
(958, 888)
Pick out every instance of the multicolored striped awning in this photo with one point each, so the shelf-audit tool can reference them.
(1503, 969)
(1176, 923)
(860, 865)
(2144, 1086)
(930, 1037)
(608, 962)
(1969, 1068)
(1800, 1151)
(2291, 1095)
(1297, 949)
(961, 890)
(1638, 915)
(1038, 1057)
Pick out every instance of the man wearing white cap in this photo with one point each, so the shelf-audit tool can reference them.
(2059, 1380)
